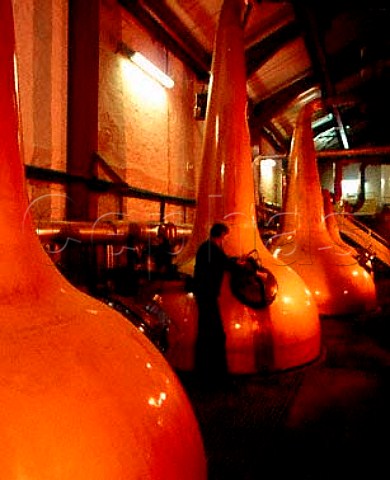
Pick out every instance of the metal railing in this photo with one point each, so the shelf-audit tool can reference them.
(117, 187)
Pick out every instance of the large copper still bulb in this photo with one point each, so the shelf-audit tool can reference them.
(286, 333)
(83, 394)
(338, 283)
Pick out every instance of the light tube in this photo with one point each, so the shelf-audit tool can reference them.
(151, 69)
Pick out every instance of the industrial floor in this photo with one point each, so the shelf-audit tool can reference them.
(327, 420)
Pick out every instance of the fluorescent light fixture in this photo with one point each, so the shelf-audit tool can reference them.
(321, 121)
(147, 66)
(151, 69)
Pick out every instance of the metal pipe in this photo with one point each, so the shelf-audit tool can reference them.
(115, 232)
(85, 232)
(356, 153)
(362, 190)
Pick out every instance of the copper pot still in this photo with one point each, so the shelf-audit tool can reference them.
(286, 333)
(83, 394)
(309, 241)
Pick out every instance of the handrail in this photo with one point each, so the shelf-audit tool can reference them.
(366, 229)
(120, 188)
(96, 184)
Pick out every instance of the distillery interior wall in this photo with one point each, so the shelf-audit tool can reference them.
(147, 134)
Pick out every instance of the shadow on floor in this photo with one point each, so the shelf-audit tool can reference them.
(328, 420)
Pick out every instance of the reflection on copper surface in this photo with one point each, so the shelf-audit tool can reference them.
(286, 333)
(73, 378)
(340, 285)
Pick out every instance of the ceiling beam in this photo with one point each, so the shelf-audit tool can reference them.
(159, 19)
(278, 101)
(314, 46)
(262, 112)
(277, 140)
(259, 53)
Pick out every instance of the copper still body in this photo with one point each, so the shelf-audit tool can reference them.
(287, 332)
(83, 394)
(332, 224)
(338, 283)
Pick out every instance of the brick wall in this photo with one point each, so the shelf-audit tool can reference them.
(149, 137)
(146, 132)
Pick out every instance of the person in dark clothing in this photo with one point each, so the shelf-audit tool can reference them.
(163, 255)
(211, 262)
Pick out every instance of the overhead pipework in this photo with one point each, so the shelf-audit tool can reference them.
(338, 283)
(285, 333)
